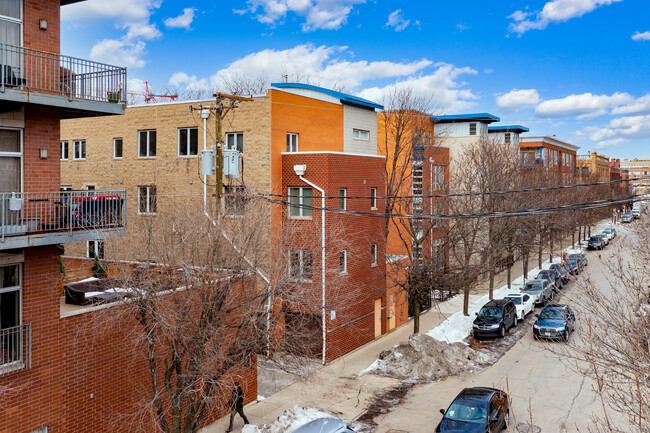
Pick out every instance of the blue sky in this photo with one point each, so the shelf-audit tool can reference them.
(578, 69)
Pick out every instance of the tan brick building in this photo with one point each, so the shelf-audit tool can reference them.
(593, 165)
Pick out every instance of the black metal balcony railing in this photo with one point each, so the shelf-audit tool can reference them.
(65, 211)
(34, 70)
(15, 349)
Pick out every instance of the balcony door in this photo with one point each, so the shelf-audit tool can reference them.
(11, 33)
(11, 339)
(11, 177)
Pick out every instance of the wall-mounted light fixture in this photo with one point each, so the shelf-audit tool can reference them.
(42, 24)
(43, 153)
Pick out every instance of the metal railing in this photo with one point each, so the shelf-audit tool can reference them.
(15, 349)
(64, 211)
(34, 70)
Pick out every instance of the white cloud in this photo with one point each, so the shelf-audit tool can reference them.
(645, 36)
(638, 106)
(461, 27)
(318, 14)
(516, 100)
(627, 127)
(183, 21)
(610, 143)
(553, 12)
(147, 32)
(584, 106)
(123, 11)
(396, 21)
(189, 82)
(119, 52)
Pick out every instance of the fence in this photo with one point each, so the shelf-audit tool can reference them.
(35, 70)
(15, 349)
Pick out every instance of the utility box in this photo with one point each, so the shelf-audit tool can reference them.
(231, 163)
(208, 167)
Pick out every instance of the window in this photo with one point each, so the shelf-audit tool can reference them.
(117, 148)
(373, 254)
(11, 32)
(11, 157)
(507, 138)
(438, 177)
(343, 261)
(95, 249)
(292, 142)
(147, 143)
(300, 196)
(79, 149)
(373, 198)
(234, 201)
(342, 198)
(90, 187)
(10, 314)
(65, 188)
(235, 140)
(361, 134)
(188, 141)
(65, 147)
(300, 264)
(472, 129)
(147, 199)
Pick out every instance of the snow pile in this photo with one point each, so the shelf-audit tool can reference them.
(425, 359)
(289, 421)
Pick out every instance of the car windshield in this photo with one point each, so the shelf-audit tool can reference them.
(532, 287)
(551, 313)
(465, 412)
(607, 231)
(515, 300)
(595, 238)
(490, 312)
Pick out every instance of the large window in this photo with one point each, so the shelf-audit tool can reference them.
(343, 193)
(373, 198)
(300, 196)
(292, 142)
(438, 177)
(188, 141)
(361, 134)
(117, 148)
(11, 160)
(147, 143)
(234, 200)
(235, 140)
(65, 147)
(300, 264)
(79, 149)
(11, 19)
(10, 293)
(95, 249)
(147, 199)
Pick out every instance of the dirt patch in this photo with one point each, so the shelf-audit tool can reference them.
(383, 403)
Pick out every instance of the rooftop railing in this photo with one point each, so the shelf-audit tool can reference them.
(65, 211)
(15, 349)
(41, 71)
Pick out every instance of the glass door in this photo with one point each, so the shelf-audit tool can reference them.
(11, 178)
(11, 335)
(11, 35)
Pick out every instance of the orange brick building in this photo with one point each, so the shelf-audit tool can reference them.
(549, 152)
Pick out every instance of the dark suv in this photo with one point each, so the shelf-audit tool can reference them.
(495, 318)
(555, 321)
(595, 243)
(479, 409)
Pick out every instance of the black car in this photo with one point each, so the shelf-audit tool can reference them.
(476, 410)
(555, 321)
(595, 243)
(562, 271)
(495, 318)
(551, 277)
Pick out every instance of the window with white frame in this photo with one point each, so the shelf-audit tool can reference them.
(373, 198)
(343, 192)
(65, 148)
(298, 197)
(343, 261)
(147, 143)
(373, 254)
(438, 177)
(117, 148)
(360, 134)
(472, 129)
(147, 199)
(95, 249)
(11, 20)
(300, 264)
(188, 141)
(11, 312)
(11, 159)
(234, 200)
(292, 142)
(235, 140)
(79, 149)
(507, 137)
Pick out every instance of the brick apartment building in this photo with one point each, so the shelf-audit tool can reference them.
(153, 153)
(637, 168)
(551, 153)
(593, 165)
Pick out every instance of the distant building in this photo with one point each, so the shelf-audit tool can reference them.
(455, 131)
(548, 152)
(638, 168)
(593, 166)
(506, 134)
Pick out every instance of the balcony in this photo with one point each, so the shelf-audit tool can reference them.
(77, 87)
(35, 219)
(15, 349)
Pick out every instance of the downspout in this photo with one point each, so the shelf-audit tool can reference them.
(322, 263)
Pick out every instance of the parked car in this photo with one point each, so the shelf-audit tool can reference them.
(478, 409)
(523, 303)
(604, 238)
(562, 271)
(555, 321)
(582, 257)
(539, 290)
(636, 213)
(495, 318)
(595, 243)
(325, 425)
(574, 265)
(627, 218)
(611, 232)
(551, 277)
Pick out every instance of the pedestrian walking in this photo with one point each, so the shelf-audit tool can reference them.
(236, 405)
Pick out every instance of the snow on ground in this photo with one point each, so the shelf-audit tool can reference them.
(289, 421)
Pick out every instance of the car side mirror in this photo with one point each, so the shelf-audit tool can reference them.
(442, 411)
(495, 418)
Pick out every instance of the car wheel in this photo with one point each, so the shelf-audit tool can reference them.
(566, 335)
(502, 331)
(506, 421)
(514, 324)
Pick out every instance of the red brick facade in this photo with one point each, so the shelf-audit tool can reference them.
(44, 40)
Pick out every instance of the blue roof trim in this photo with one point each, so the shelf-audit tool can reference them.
(479, 117)
(506, 128)
(343, 97)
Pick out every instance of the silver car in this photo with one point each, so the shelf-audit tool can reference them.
(540, 290)
(325, 425)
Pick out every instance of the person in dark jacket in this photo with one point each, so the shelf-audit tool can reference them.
(236, 405)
